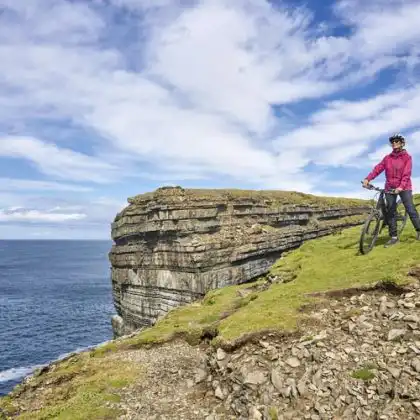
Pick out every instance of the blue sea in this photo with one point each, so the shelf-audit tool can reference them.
(55, 298)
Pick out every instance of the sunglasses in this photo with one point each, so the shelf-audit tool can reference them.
(395, 141)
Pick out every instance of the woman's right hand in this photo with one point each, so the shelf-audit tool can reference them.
(365, 183)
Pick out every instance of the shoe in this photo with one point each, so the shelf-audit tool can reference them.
(391, 242)
(418, 235)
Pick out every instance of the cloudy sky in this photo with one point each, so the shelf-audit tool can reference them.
(105, 99)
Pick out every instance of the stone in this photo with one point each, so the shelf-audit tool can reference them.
(264, 344)
(218, 393)
(221, 354)
(301, 387)
(383, 305)
(293, 362)
(254, 414)
(412, 318)
(277, 380)
(321, 336)
(396, 333)
(416, 365)
(291, 383)
(255, 378)
(200, 376)
(395, 372)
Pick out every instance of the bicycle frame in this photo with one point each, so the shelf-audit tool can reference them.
(381, 204)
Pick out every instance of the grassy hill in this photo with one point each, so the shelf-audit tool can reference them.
(84, 384)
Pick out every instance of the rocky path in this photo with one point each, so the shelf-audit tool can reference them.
(173, 385)
(359, 358)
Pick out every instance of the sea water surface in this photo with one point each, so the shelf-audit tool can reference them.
(55, 298)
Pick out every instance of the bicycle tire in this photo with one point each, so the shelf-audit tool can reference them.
(401, 222)
(375, 219)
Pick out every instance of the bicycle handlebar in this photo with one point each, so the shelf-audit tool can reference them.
(372, 187)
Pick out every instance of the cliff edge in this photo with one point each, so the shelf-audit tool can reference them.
(173, 245)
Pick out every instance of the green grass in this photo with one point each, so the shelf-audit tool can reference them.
(76, 389)
(321, 265)
(191, 321)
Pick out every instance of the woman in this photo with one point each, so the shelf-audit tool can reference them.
(397, 166)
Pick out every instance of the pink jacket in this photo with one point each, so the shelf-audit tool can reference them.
(397, 166)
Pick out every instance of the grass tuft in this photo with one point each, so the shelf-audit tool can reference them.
(363, 374)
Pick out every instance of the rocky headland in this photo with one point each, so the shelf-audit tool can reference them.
(174, 245)
(323, 334)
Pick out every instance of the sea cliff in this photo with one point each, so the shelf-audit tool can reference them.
(173, 245)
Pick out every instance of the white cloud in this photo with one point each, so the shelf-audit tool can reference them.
(361, 193)
(382, 27)
(31, 215)
(201, 91)
(55, 161)
(199, 99)
(13, 184)
(346, 130)
(379, 154)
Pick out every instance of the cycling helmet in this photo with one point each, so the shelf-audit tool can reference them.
(397, 137)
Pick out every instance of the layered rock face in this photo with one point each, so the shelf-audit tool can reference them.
(173, 245)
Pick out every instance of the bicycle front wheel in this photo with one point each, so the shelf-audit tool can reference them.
(370, 232)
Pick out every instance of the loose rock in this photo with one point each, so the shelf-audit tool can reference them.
(396, 333)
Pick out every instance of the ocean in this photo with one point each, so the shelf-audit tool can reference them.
(55, 298)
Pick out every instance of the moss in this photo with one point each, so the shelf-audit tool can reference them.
(273, 413)
(363, 374)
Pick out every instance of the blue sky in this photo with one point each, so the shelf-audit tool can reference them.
(105, 99)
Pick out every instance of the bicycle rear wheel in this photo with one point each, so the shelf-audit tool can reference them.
(402, 217)
(370, 232)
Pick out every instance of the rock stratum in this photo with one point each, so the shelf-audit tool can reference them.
(173, 245)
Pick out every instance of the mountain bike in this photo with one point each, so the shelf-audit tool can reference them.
(378, 219)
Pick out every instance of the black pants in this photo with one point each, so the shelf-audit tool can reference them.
(407, 200)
